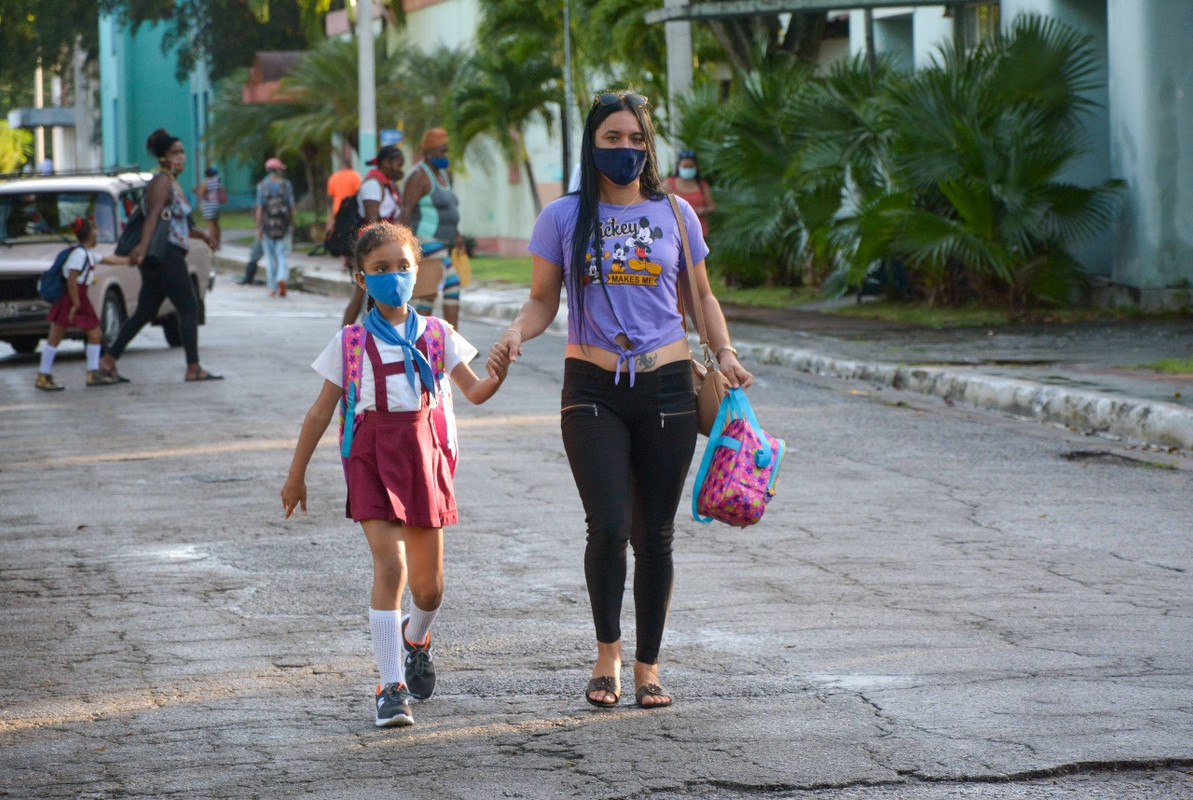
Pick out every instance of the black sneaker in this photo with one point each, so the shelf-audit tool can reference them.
(420, 669)
(393, 705)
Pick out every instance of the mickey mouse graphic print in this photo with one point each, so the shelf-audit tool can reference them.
(631, 287)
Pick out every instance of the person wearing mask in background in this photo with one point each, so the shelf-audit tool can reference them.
(274, 214)
(432, 210)
(687, 183)
(377, 200)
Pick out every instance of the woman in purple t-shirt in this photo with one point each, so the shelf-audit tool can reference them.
(628, 411)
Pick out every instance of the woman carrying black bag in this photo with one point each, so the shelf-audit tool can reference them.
(161, 257)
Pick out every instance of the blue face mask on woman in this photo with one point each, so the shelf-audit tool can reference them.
(687, 173)
(390, 288)
(440, 162)
(622, 165)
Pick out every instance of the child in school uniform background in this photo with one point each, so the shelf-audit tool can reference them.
(399, 466)
(74, 310)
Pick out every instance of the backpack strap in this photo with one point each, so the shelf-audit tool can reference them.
(353, 342)
(443, 414)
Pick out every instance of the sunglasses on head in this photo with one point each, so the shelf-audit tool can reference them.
(687, 153)
(632, 99)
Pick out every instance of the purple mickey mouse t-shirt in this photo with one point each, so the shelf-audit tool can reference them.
(633, 288)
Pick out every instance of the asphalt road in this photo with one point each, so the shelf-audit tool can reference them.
(940, 603)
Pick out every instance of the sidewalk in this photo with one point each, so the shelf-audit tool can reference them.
(1078, 376)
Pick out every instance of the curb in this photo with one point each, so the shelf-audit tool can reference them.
(1143, 421)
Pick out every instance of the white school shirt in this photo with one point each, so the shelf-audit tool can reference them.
(330, 364)
(371, 189)
(81, 258)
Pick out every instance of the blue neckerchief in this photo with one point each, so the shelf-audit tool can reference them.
(380, 327)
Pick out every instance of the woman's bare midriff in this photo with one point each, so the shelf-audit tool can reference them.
(607, 359)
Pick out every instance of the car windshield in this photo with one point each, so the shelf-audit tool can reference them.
(49, 216)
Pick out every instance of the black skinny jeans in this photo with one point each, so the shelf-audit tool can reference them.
(629, 450)
(161, 280)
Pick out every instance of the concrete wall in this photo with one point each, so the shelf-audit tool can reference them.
(495, 203)
(1151, 145)
(1093, 166)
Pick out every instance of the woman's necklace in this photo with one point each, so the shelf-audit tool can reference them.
(633, 201)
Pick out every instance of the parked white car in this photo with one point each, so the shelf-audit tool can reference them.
(35, 225)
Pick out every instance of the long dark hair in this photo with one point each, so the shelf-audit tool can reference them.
(586, 237)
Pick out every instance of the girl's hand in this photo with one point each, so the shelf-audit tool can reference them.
(507, 348)
(738, 375)
(497, 366)
(294, 494)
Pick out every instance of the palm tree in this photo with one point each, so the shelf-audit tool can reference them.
(498, 94)
(978, 147)
(422, 85)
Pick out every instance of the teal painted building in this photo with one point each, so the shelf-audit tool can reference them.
(140, 93)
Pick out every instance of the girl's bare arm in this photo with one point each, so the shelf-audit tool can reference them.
(294, 491)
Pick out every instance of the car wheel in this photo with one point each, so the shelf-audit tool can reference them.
(24, 344)
(112, 318)
(172, 330)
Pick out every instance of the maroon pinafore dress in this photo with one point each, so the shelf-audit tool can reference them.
(396, 471)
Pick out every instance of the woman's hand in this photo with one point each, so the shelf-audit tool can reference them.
(732, 369)
(294, 494)
(506, 349)
(137, 255)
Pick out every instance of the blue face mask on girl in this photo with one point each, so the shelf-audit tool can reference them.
(390, 288)
(622, 165)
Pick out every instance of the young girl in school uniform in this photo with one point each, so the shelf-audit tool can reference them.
(399, 468)
(74, 310)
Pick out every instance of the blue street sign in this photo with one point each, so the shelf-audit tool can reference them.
(390, 136)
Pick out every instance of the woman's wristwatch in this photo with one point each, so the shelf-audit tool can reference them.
(723, 348)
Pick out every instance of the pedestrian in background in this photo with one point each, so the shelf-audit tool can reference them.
(400, 458)
(377, 199)
(432, 210)
(628, 413)
(274, 214)
(167, 277)
(212, 197)
(74, 309)
(342, 184)
(687, 183)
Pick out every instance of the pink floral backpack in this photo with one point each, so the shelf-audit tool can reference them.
(442, 414)
(741, 462)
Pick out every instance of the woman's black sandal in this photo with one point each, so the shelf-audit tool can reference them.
(653, 690)
(607, 684)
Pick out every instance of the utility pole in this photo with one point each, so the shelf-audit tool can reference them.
(565, 113)
(367, 96)
(679, 65)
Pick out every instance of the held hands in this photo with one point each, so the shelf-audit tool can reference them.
(294, 494)
(505, 350)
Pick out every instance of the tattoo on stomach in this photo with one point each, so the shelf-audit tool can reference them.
(646, 362)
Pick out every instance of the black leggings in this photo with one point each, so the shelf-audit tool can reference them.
(629, 450)
(161, 280)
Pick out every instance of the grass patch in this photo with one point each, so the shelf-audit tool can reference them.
(932, 317)
(973, 316)
(1173, 365)
(501, 269)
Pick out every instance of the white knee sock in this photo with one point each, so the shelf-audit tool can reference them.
(47, 358)
(384, 626)
(419, 625)
(93, 357)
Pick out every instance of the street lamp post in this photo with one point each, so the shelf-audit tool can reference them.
(565, 113)
(367, 93)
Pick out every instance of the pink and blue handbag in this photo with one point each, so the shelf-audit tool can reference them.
(741, 462)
